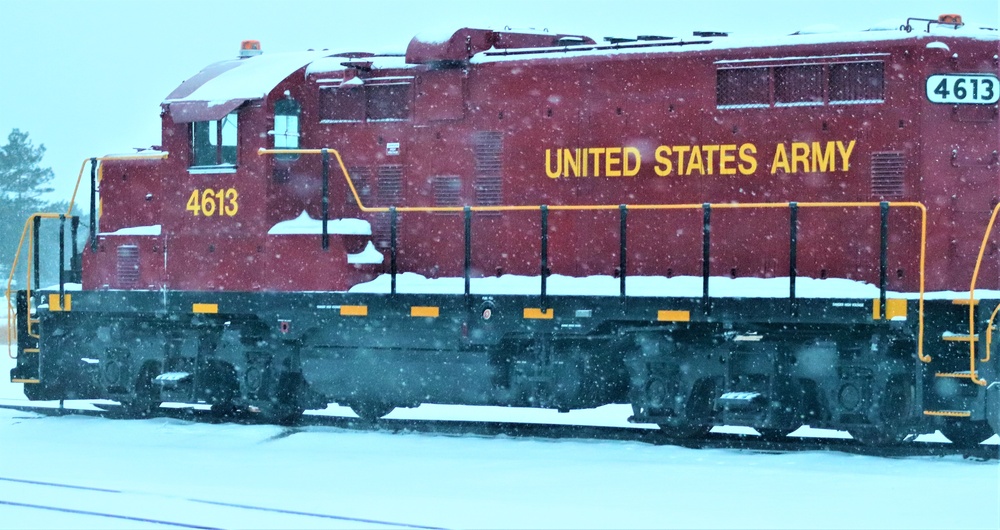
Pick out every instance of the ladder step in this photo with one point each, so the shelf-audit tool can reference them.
(959, 375)
(26, 381)
(949, 413)
(954, 337)
(32, 350)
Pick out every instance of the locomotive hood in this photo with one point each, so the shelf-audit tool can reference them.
(221, 87)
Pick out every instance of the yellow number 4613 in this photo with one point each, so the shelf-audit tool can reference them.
(214, 202)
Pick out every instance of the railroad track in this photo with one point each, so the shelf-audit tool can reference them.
(170, 512)
(714, 440)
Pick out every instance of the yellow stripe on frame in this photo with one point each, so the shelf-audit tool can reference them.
(424, 311)
(958, 375)
(673, 316)
(54, 304)
(536, 313)
(948, 413)
(353, 310)
(961, 338)
(205, 308)
(894, 307)
(965, 301)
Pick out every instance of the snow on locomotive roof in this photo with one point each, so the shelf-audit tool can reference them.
(336, 63)
(225, 85)
(730, 42)
(252, 78)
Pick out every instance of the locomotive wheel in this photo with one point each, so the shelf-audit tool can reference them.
(892, 417)
(227, 410)
(145, 397)
(966, 433)
(371, 411)
(687, 431)
(283, 407)
(697, 413)
(281, 413)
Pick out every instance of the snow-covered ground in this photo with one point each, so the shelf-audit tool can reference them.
(162, 472)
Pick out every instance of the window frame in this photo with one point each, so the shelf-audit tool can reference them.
(294, 110)
(207, 138)
(359, 98)
(826, 75)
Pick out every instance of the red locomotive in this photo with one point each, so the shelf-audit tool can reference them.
(529, 219)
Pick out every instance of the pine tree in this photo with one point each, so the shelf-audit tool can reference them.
(22, 183)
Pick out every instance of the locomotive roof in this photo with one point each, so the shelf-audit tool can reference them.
(221, 87)
(733, 43)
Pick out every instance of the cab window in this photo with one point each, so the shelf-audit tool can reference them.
(286, 124)
(213, 143)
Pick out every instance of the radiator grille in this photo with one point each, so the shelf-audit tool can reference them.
(447, 190)
(128, 267)
(362, 179)
(390, 185)
(389, 192)
(888, 175)
(488, 148)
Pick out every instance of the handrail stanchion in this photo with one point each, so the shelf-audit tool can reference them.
(93, 205)
(392, 249)
(622, 262)
(326, 197)
(545, 253)
(36, 229)
(883, 256)
(793, 245)
(62, 260)
(76, 268)
(468, 249)
(706, 244)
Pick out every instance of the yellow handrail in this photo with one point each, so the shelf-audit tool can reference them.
(972, 299)
(989, 333)
(83, 167)
(592, 207)
(28, 232)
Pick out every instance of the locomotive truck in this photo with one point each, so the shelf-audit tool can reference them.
(770, 233)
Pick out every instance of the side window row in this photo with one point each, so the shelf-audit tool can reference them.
(800, 85)
(214, 143)
(358, 102)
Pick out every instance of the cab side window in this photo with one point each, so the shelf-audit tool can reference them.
(286, 124)
(213, 143)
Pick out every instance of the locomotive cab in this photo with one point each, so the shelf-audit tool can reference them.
(213, 214)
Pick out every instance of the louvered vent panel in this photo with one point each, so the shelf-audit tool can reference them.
(390, 185)
(389, 192)
(362, 179)
(128, 267)
(488, 148)
(447, 191)
(888, 175)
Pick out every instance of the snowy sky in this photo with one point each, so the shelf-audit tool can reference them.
(85, 78)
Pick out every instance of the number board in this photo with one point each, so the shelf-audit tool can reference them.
(979, 89)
